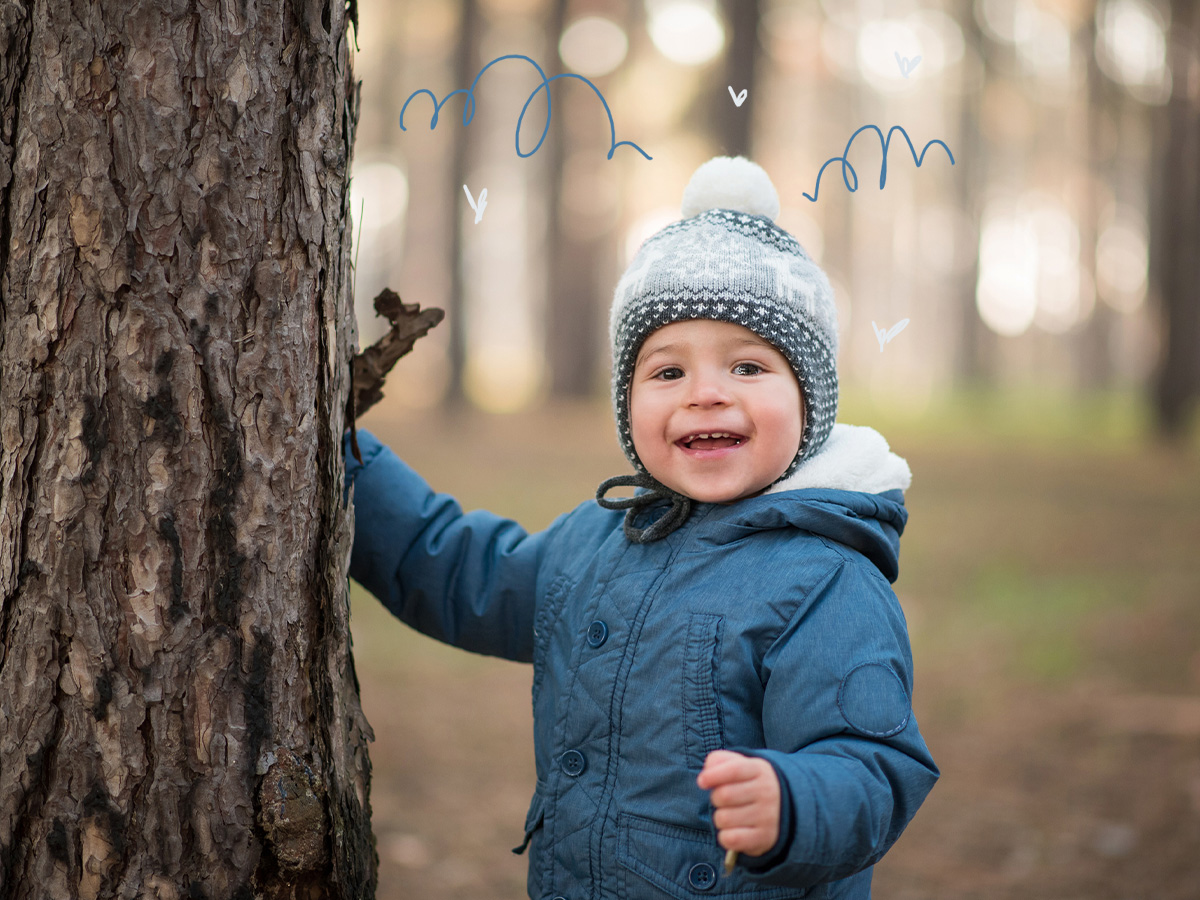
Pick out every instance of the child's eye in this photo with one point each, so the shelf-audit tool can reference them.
(747, 368)
(670, 373)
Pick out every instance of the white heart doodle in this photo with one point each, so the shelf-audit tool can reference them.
(478, 207)
(885, 336)
(738, 99)
(906, 65)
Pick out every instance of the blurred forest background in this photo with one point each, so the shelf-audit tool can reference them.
(1044, 391)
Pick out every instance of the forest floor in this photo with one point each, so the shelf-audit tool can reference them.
(1050, 574)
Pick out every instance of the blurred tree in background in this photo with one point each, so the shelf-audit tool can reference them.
(1176, 248)
(467, 62)
(732, 131)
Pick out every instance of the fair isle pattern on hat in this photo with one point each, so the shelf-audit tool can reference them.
(734, 267)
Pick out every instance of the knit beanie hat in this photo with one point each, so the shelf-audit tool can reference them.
(727, 260)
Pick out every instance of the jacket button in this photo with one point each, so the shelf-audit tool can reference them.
(573, 763)
(597, 634)
(702, 876)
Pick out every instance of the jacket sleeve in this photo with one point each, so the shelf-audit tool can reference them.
(839, 730)
(467, 579)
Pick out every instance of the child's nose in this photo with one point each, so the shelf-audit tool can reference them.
(708, 390)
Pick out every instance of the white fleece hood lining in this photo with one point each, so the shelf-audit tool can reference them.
(853, 458)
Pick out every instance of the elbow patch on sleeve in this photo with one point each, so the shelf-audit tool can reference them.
(873, 701)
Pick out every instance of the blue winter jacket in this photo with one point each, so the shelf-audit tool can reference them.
(766, 626)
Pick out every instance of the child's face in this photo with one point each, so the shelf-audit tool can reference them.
(701, 376)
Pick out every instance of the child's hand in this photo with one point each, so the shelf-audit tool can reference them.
(745, 792)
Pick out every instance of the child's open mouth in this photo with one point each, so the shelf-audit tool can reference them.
(715, 440)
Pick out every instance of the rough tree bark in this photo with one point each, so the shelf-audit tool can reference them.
(179, 715)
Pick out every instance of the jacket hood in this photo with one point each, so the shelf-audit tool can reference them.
(851, 492)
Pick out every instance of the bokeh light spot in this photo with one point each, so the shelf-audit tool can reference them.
(687, 32)
(593, 46)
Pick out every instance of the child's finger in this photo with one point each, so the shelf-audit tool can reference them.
(719, 758)
(724, 766)
(739, 793)
(729, 768)
(739, 817)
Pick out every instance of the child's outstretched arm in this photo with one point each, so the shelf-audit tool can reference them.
(839, 730)
(468, 579)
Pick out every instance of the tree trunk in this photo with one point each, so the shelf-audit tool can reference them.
(466, 67)
(971, 349)
(574, 326)
(1106, 102)
(733, 129)
(179, 715)
(1175, 265)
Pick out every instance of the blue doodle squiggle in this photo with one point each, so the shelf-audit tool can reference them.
(848, 170)
(469, 108)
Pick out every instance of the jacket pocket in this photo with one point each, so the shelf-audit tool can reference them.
(683, 863)
(533, 819)
(703, 726)
(534, 822)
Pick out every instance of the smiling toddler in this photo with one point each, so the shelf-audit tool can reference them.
(719, 662)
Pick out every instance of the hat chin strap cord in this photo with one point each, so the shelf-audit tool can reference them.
(653, 492)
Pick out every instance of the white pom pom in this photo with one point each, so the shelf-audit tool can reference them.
(730, 182)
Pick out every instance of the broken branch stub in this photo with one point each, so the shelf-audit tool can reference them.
(369, 368)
